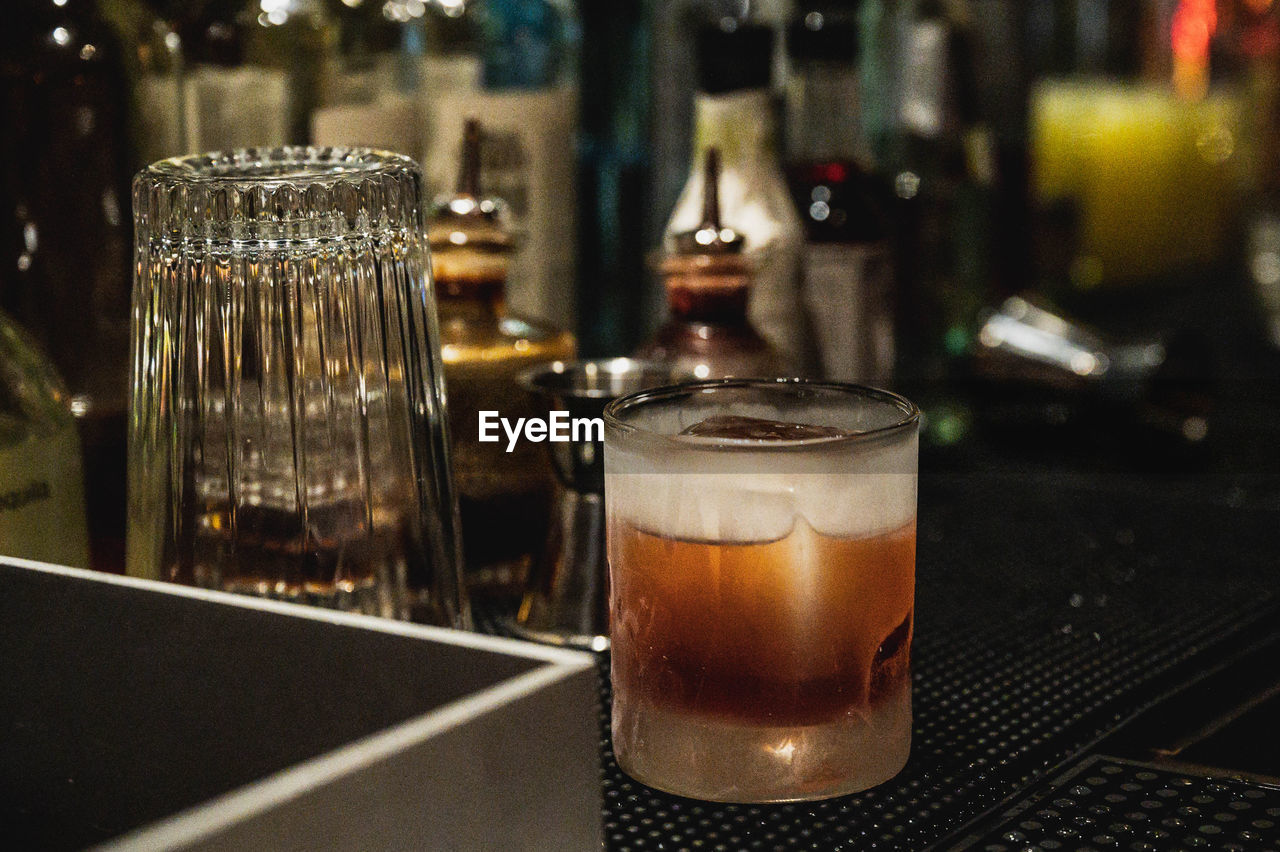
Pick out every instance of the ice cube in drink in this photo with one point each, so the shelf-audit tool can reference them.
(738, 428)
(762, 610)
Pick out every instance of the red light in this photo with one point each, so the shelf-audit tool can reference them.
(835, 173)
(1194, 23)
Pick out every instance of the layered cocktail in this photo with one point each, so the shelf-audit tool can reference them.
(761, 539)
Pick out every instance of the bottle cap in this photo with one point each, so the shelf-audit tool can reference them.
(469, 234)
(730, 60)
(823, 35)
(710, 256)
(710, 237)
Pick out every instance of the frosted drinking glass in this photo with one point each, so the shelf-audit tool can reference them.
(761, 543)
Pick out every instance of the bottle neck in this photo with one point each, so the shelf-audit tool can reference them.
(740, 124)
(823, 111)
(923, 110)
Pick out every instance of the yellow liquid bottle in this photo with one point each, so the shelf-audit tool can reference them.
(42, 512)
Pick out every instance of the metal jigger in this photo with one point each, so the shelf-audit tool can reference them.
(567, 602)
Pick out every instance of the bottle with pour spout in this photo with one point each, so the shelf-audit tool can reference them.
(708, 285)
(734, 113)
(504, 497)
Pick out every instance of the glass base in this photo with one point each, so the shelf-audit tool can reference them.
(721, 761)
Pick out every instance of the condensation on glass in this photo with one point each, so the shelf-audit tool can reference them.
(287, 437)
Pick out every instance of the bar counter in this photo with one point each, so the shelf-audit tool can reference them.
(1096, 664)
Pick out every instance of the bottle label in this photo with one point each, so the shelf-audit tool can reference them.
(42, 514)
(390, 122)
(528, 160)
(236, 107)
(848, 294)
(924, 80)
(160, 134)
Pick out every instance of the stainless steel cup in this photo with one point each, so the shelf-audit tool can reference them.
(567, 602)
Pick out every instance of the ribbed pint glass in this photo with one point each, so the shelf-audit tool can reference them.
(761, 539)
(286, 424)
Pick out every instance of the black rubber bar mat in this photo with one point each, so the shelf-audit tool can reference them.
(1108, 803)
(1047, 615)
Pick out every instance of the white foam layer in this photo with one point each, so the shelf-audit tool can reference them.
(846, 494)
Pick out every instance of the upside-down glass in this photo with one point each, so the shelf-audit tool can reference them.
(286, 425)
(762, 587)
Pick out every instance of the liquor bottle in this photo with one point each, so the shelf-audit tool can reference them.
(673, 77)
(370, 92)
(253, 74)
(154, 63)
(511, 64)
(42, 513)
(504, 496)
(64, 231)
(848, 263)
(734, 113)
(943, 187)
(878, 67)
(708, 282)
(615, 161)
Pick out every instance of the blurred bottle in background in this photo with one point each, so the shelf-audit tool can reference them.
(944, 179)
(42, 514)
(64, 227)
(1140, 138)
(614, 166)
(735, 114)
(154, 63)
(674, 86)
(708, 284)
(504, 497)
(1254, 31)
(878, 48)
(254, 71)
(371, 80)
(848, 265)
(513, 65)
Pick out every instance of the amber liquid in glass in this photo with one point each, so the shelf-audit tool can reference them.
(763, 659)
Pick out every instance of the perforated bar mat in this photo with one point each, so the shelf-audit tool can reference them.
(1046, 616)
(992, 714)
(1107, 803)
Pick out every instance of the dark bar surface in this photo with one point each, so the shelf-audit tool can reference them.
(1051, 609)
(1073, 585)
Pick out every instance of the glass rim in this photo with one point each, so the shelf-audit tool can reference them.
(303, 165)
(539, 379)
(612, 414)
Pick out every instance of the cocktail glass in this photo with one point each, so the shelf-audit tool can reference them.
(761, 543)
